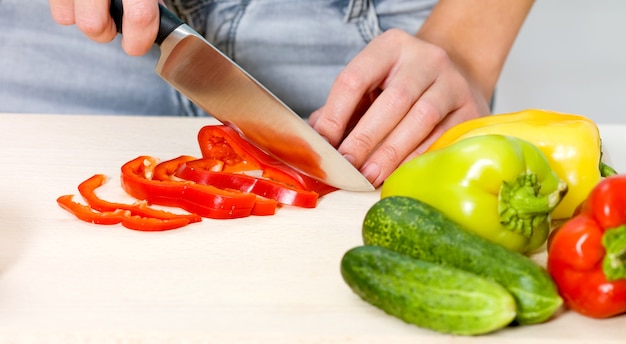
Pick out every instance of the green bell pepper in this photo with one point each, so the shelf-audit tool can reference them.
(500, 187)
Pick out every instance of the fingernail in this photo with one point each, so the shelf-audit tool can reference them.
(371, 171)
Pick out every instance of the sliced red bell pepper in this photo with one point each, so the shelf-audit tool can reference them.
(200, 171)
(151, 224)
(587, 254)
(222, 191)
(123, 216)
(140, 208)
(220, 142)
(204, 200)
(88, 214)
(264, 206)
(165, 171)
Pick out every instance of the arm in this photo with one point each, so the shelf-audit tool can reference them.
(403, 90)
(477, 35)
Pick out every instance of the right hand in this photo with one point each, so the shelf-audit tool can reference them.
(140, 22)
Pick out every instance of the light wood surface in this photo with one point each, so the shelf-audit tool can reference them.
(258, 279)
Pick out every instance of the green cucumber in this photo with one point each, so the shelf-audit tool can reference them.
(425, 294)
(416, 229)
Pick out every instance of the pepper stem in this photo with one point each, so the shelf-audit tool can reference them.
(606, 170)
(522, 209)
(614, 262)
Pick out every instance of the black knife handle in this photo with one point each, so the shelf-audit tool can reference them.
(167, 24)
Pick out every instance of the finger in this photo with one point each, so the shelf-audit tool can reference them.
(314, 116)
(403, 139)
(402, 89)
(62, 11)
(428, 111)
(467, 111)
(385, 113)
(141, 24)
(93, 19)
(360, 77)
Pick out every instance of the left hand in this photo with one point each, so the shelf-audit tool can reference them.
(393, 100)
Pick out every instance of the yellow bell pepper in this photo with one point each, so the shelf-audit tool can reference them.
(571, 143)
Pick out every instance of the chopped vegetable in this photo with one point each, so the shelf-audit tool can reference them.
(204, 200)
(123, 216)
(220, 142)
(199, 171)
(140, 208)
(220, 185)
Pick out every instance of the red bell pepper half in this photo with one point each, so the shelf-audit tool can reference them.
(220, 142)
(587, 254)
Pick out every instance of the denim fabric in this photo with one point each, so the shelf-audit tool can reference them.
(296, 48)
(48, 68)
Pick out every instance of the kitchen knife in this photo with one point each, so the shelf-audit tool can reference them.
(223, 89)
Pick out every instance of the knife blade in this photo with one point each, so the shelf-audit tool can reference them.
(211, 80)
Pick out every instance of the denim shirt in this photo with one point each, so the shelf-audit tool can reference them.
(296, 48)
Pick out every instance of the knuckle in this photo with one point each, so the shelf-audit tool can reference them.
(63, 17)
(395, 36)
(361, 142)
(91, 26)
(329, 124)
(400, 99)
(350, 79)
(391, 153)
(330, 127)
(438, 55)
(427, 115)
(141, 13)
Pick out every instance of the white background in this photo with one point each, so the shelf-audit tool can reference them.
(569, 57)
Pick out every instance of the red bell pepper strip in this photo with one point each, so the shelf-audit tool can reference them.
(151, 224)
(88, 214)
(123, 216)
(204, 200)
(264, 206)
(165, 171)
(200, 171)
(587, 254)
(140, 208)
(220, 142)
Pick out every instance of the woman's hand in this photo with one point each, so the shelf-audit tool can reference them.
(140, 21)
(403, 91)
(411, 92)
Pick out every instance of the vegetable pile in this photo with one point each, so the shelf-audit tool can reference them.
(448, 245)
(220, 185)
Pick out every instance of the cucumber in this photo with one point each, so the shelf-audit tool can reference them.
(425, 294)
(416, 229)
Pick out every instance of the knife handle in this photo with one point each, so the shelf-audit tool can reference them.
(168, 20)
